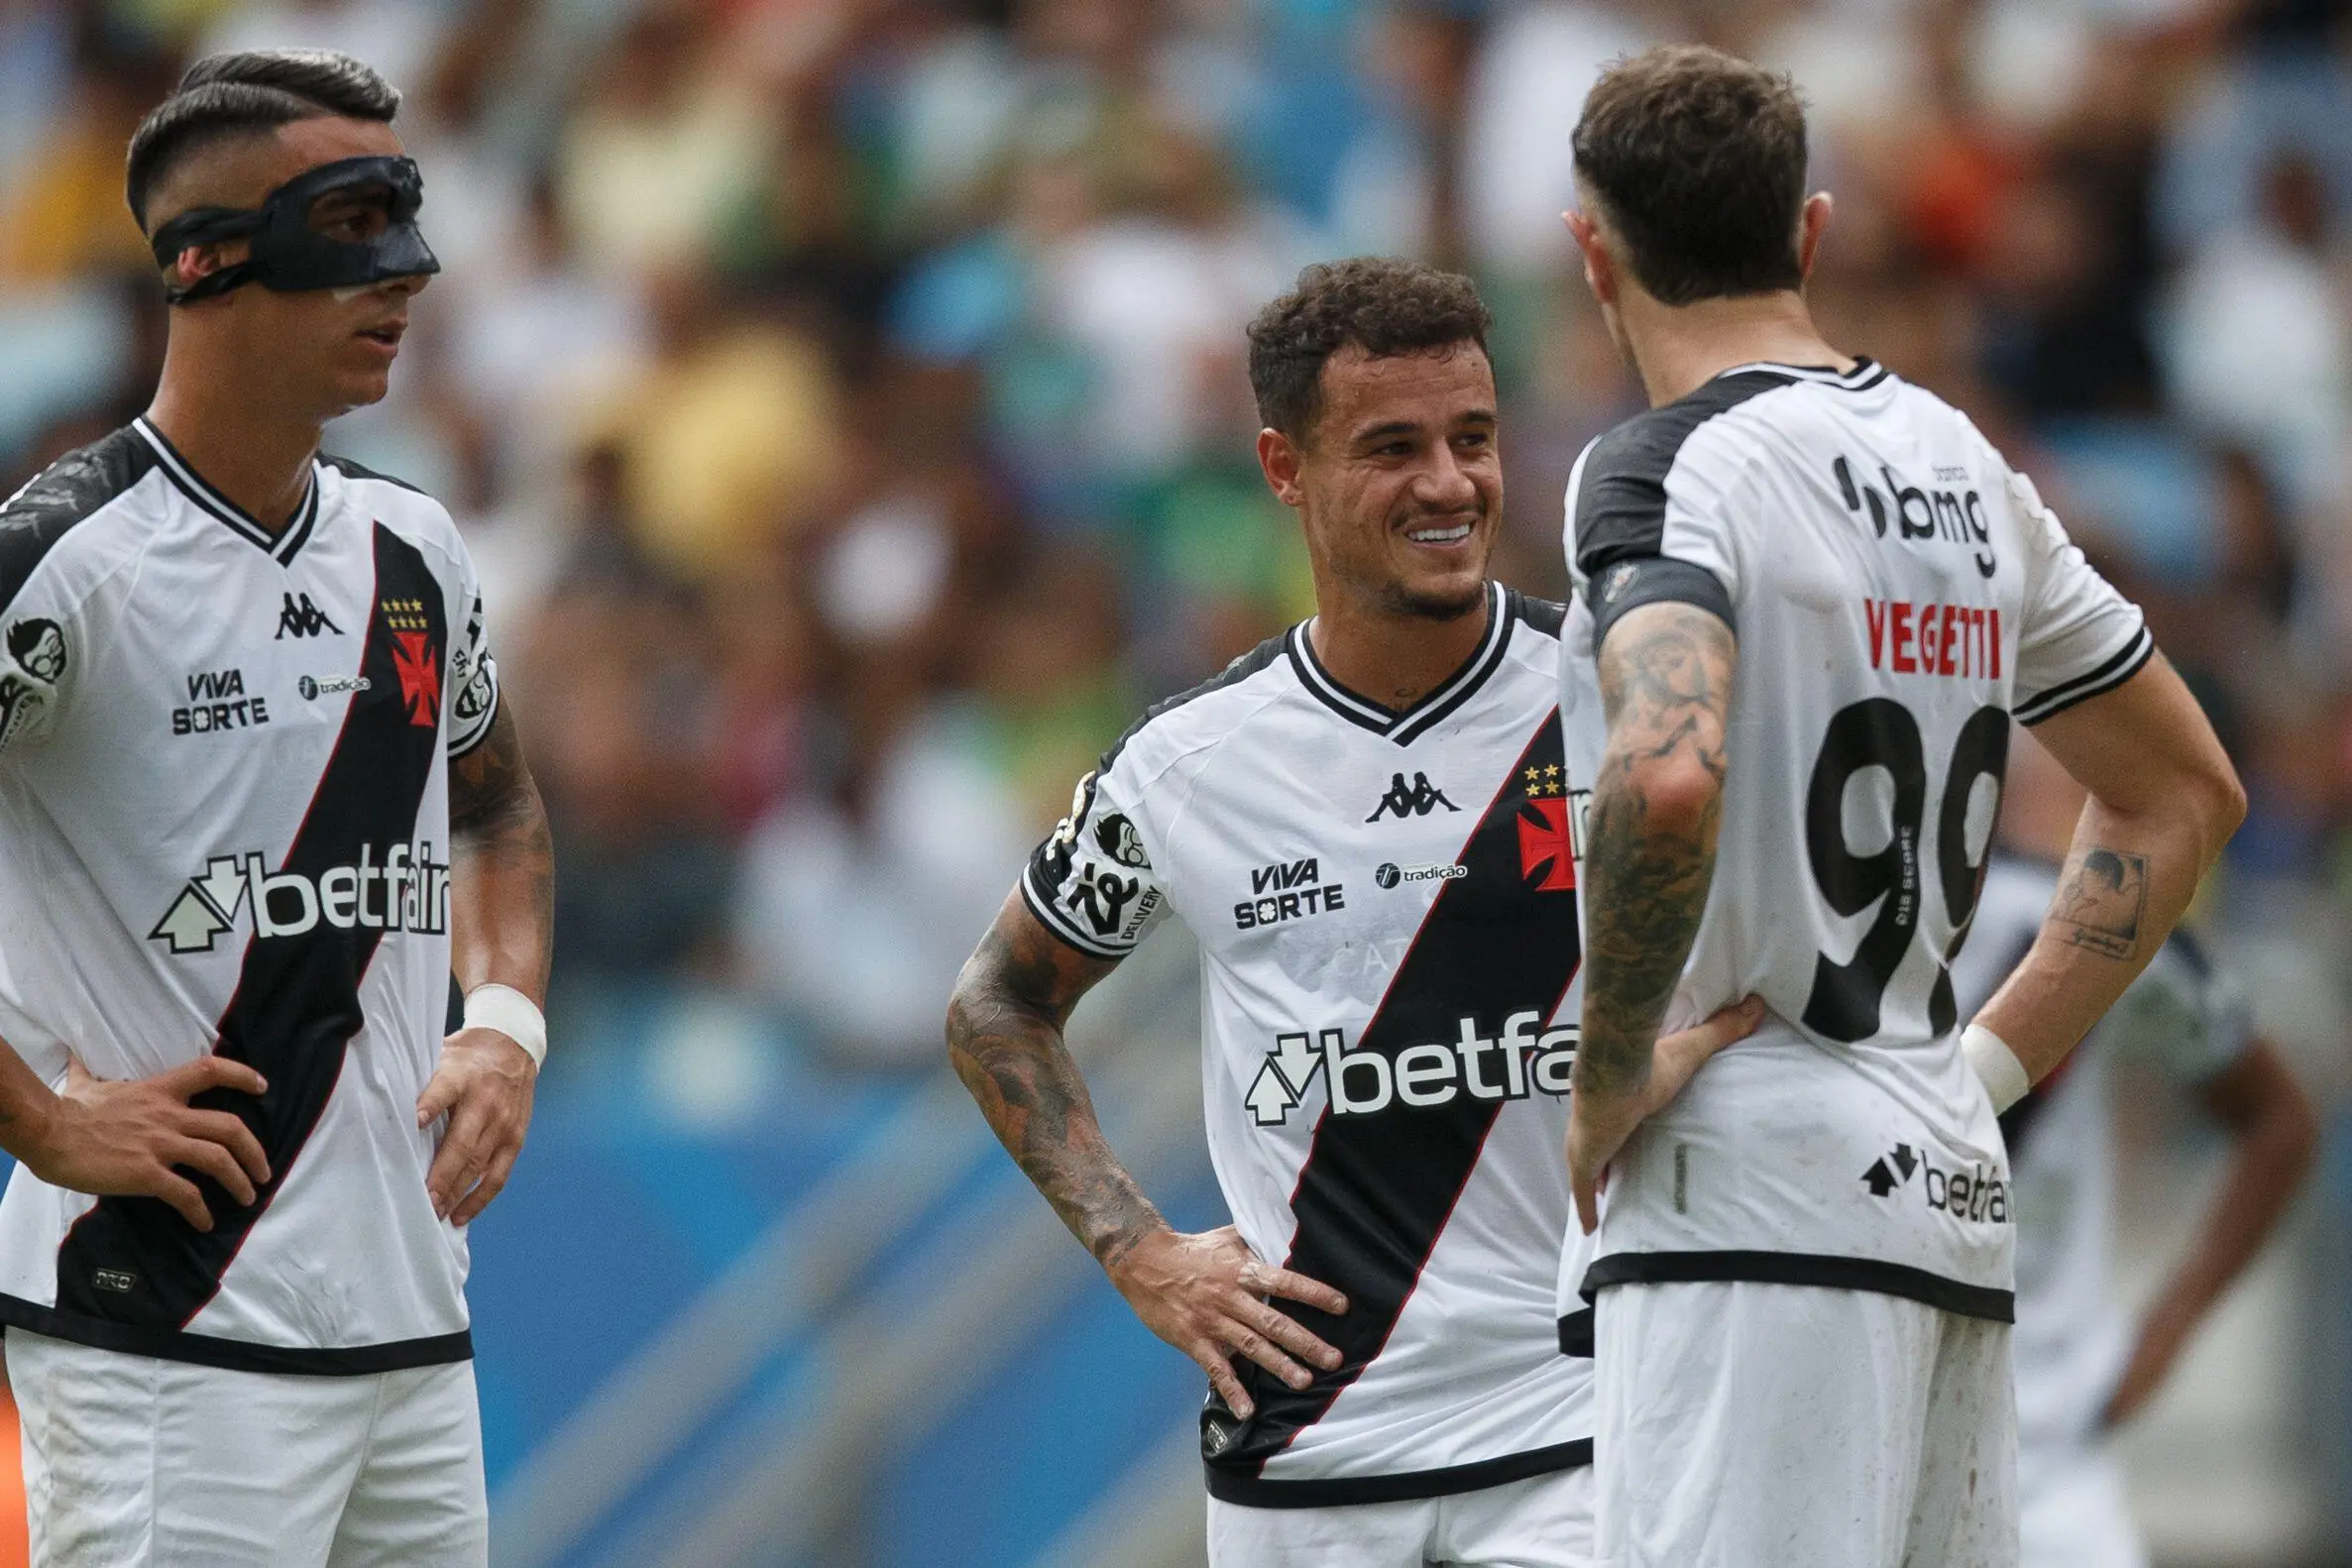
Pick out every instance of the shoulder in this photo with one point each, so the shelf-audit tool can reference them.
(359, 473)
(65, 495)
(399, 506)
(1201, 717)
(1540, 615)
(1646, 448)
(1617, 494)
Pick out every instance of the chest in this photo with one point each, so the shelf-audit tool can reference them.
(1322, 866)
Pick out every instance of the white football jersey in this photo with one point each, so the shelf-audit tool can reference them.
(2184, 1016)
(1899, 593)
(224, 807)
(1386, 916)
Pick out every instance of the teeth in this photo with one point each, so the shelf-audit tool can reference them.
(1438, 535)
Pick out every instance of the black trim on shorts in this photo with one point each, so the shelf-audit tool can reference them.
(1803, 1267)
(1255, 1491)
(234, 1355)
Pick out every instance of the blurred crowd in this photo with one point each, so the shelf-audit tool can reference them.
(844, 399)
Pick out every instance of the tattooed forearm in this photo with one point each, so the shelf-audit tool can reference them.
(1004, 1037)
(502, 883)
(2102, 901)
(1649, 840)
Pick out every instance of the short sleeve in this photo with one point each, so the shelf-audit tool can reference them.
(1092, 882)
(1644, 527)
(2080, 636)
(2187, 1015)
(38, 664)
(473, 675)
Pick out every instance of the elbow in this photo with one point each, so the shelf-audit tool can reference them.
(2221, 804)
(1674, 797)
(2294, 1134)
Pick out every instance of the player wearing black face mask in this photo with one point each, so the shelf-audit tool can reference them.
(251, 733)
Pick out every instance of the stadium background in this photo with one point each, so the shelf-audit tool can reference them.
(844, 400)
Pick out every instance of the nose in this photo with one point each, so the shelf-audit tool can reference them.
(1445, 482)
(408, 287)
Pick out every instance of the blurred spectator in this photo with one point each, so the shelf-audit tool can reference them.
(2256, 343)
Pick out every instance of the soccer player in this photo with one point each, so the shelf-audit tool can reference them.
(258, 789)
(2081, 1370)
(1366, 825)
(1819, 596)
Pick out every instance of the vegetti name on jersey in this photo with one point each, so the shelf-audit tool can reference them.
(1386, 909)
(224, 802)
(1899, 593)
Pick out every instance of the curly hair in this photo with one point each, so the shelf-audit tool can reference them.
(1378, 304)
(1698, 158)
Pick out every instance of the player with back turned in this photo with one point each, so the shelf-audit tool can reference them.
(1816, 597)
(260, 798)
(1366, 825)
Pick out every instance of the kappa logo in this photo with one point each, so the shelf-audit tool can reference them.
(406, 890)
(1533, 1060)
(1550, 824)
(1417, 799)
(1975, 1195)
(299, 618)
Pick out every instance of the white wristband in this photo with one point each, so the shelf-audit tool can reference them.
(1990, 1058)
(510, 1013)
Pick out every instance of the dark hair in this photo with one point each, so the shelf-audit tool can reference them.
(1380, 304)
(1699, 159)
(223, 96)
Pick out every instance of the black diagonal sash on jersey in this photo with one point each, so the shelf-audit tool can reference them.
(297, 1004)
(1376, 1191)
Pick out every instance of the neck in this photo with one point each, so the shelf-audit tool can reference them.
(258, 457)
(1393, 658)
(1677, 349)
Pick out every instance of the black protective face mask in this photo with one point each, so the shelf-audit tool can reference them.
(289, 253)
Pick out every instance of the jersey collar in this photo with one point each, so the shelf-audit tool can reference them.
(281, 547)
(1866, 373)
(1414, 721)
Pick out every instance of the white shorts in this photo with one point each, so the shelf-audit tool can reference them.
(136, 1463)
(1544, 1522)
(2073, 1512)
(1748, 1425)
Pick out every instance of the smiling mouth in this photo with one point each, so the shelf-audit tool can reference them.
(1453, 535)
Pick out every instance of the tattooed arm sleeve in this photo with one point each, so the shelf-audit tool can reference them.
(1649, 840)
(1004, 1037)
(502, 884)
(2164, 800)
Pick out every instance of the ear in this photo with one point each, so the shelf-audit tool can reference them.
(1815, 220)
(1600, 268)
(1280, 459)
(197, 261)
